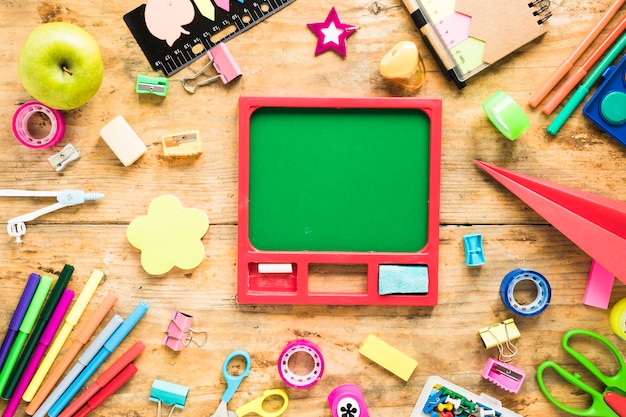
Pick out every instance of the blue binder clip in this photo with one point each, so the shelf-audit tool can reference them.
(474, 255)
(169, 394)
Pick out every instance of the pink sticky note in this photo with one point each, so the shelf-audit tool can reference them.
(599, 286)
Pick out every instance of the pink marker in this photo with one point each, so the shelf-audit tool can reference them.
(44, 342)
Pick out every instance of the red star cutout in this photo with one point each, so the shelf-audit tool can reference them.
(331, 34)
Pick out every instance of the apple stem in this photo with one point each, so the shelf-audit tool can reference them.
(67, 70)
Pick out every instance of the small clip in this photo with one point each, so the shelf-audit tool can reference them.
(182, 144)
(68, 154)
(150, 85)
(179, 332)
(504, 375)
(500, 335)
(167, 393)
(223, 62)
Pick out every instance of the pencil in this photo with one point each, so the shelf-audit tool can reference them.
(573, 80)
(560, 72)
(81, 339)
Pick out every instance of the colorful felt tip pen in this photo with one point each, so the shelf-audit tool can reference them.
(70, 321)
(105, 378)
(46, 338)
(108, 390)
(18, 316)
(44, 317)
(25, 329)
(81, 340)
(111, 344)
(584, 88)
(80, 365)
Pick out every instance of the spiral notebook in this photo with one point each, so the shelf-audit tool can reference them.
(478, 33)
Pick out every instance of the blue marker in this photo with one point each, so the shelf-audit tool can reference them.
(111, 344)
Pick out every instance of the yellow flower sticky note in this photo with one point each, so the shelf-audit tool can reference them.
(169, 235)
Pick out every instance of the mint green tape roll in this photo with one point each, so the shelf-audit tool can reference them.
(506, 115)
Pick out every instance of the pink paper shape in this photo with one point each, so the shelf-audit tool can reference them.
(596, 224)
(599, 286)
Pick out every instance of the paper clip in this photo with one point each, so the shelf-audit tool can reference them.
(179, 332)
(504, 375)
(151, 85)
(501, 335)
(182, 144)
(68, 154)
(168, 393)
(223, 62)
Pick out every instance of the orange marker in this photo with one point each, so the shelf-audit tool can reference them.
(580, 73)
(81, 339)
(567, 65)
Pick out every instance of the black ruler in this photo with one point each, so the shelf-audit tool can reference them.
(203, 33)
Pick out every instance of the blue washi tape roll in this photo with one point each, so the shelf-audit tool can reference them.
(541, 301)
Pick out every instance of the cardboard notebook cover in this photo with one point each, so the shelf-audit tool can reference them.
(504, 26)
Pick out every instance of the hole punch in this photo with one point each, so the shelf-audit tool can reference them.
(180, 334)
(223, 62)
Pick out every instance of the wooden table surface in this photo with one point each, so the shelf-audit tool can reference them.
(277, 59)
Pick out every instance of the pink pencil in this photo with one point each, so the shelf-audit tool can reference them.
(580, 73)
(44, 342)
(567, 65)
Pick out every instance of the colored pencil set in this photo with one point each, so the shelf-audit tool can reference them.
(30, 348)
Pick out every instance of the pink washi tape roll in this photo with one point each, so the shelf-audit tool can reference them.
(22, 133)
(297, 378)
(347, 400)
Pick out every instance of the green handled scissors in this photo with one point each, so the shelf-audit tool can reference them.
(609, 403)
(255, 406)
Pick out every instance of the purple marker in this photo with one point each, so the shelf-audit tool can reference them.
(40, 350)
(18, 316)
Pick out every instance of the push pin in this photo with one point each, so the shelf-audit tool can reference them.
(151, 85)
(169, 394)
(223, 62)
(179, 332)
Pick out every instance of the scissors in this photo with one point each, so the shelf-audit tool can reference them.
(254, 406)
(609, 403)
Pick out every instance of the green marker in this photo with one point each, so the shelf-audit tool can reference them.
(26, 327)
(8, 388)
(584, 88)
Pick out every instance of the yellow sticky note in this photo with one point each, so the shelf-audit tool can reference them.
(388, 357)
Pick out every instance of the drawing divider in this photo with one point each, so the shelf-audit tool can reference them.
(111, 344)
(46, 338)
(25, 328)
(42, 322)
(83, 361)
(70, 321)
(18, 316)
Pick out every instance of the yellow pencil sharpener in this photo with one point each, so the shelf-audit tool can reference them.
(403, 65)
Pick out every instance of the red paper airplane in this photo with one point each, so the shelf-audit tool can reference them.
(596, 224)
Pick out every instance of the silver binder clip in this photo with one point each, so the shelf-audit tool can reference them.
(223, 62)
(68, 154)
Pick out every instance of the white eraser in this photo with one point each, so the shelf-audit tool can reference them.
(123, 140)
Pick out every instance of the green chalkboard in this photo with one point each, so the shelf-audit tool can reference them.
(327, 179)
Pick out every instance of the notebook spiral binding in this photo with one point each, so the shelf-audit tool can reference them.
(543, 6)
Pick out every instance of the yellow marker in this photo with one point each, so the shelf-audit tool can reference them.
(388, 357)
(70, 321)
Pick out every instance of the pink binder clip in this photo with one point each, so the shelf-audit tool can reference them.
(504, 375)
(179, 332)
(223, 62)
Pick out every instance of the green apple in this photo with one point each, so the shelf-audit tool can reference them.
(60, 65)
